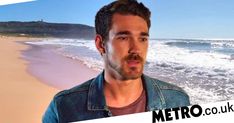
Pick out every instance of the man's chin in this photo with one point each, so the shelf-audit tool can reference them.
(131, 75)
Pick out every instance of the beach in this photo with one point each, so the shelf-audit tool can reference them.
(24, 98)
(31, 75)
(33, 70)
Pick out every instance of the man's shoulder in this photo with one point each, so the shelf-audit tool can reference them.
(69, 102)
(166, 86)
(77, 90)
(172, 95)
(169, 90)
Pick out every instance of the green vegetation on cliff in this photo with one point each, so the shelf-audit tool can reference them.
(44, 29)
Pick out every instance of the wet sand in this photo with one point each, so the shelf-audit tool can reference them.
(54, 69)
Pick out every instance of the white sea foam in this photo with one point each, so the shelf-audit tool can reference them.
(202, 95)
(159, 52)
(95, 64)
(67, 42)
(206, 76)
(222, 44)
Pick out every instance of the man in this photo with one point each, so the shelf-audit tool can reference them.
(122, 33)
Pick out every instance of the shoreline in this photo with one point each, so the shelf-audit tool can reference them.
(54, 69)
(23, 97)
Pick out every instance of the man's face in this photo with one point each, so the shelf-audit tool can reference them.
(127, 47)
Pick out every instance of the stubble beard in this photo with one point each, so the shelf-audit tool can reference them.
(122, 71)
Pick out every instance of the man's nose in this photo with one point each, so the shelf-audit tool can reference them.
(134, 47)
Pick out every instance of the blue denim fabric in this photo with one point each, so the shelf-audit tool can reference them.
(87, 100)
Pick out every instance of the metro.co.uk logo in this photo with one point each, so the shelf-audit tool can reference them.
(188, 112)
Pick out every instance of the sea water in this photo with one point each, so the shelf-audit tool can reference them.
(203, 68)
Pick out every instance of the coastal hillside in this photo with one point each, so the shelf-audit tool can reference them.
(45, 29)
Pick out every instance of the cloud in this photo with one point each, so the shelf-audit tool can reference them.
(6, 2)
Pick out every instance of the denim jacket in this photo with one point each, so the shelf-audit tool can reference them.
(87, 100)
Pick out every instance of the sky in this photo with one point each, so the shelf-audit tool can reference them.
(199, 19)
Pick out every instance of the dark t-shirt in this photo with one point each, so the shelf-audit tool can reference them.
(136, 107)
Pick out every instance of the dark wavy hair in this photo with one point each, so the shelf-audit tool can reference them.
(103, 18)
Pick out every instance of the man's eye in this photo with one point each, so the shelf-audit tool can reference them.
(143, 39)
(122, 38)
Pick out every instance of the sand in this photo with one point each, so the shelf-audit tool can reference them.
(23, 98)
(30, 75)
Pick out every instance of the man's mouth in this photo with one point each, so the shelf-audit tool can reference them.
(133, 60)
(133, 63)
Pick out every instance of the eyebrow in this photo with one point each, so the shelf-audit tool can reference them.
(128, 33)
(123, 33)
(144, 34)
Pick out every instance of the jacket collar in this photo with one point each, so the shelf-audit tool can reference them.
(96, 99)
(155, 98)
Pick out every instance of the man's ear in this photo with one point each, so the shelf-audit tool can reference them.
(99, 44)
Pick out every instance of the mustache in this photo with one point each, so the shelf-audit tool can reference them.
(133, 57)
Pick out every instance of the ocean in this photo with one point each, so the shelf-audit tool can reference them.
(203, 68)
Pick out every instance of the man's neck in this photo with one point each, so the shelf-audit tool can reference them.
(119, 93)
